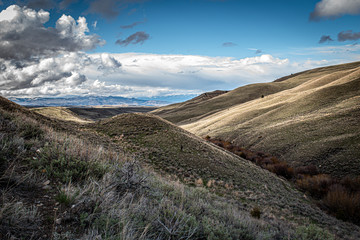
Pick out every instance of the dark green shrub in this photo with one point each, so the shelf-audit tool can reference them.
(312, 232)
(30, 131)
(255, 212)
(64, 198)
(64, 167)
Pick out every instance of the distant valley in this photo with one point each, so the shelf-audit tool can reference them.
(83, 101)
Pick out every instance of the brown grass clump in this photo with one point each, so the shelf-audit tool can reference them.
(281, 169)
(307, 170)
(340, 197)
(351, 184)
(343, 204)
(317, 186)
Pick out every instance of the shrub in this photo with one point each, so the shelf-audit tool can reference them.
(130, 178)
(281, 169)
(342, 204)
(255, 212)
(63, 163)
(351, 184)
(317, 186)
(18, 221)
(307, 170)
(65, 198)
(312, 232)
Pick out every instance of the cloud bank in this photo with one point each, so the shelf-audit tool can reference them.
(138, 75)
(334, 9)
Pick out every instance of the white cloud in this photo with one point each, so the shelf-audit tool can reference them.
(335, 8)
(94, 24)
(139, 75)
(23, 36)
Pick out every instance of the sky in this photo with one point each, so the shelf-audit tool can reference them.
(155, 48)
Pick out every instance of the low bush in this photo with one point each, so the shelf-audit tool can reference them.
(281, 169)
(307, 170)
(255, 212)
(63, 166)
(352, 184)
(317, 186)
(312, 232)
(343, 204)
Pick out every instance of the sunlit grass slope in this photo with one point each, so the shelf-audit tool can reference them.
(60, 113)
(306, 118)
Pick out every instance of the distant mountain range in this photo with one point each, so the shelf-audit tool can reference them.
(80, 101)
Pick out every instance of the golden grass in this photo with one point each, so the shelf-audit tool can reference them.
(60, 113)
(308, 118)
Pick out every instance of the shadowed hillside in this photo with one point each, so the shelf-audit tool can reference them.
(305, 118)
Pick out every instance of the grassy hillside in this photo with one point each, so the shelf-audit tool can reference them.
(136, 176)
(305, 118)
(60, 113)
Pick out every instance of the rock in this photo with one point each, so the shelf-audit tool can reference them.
(47, 187)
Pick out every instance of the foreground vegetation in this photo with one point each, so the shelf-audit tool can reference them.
(55, 185)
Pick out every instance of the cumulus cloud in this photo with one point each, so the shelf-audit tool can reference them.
(108, 61)
(119, 74)
(325, 38)
(348, 35)
(229, 44)
(39, 60)
(23, 35)
(65, 74)
(136, 38)
(334, 9)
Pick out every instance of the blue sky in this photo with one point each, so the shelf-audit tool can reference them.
(138, 48)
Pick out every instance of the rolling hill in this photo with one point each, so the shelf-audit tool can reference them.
(306, 118)
(137, 176)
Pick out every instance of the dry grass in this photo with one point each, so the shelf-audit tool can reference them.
(129, 201)
(309, 116)
(60, 113)
(343, 204)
